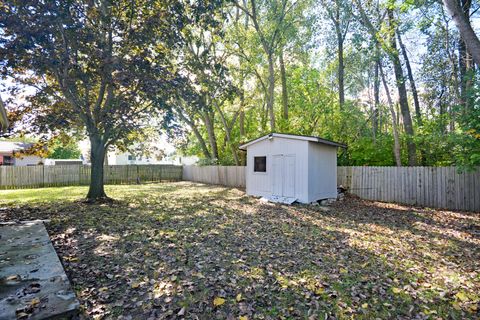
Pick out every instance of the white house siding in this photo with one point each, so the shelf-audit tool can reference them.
(122, 159)
(261, 183)
(322, 175)
(27, 161)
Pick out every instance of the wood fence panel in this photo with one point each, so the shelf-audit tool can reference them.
(12, 177)
(230, 176)
(436, 187)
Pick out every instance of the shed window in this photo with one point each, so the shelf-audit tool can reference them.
(259, 164)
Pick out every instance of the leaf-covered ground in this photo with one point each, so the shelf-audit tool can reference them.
(183, 250)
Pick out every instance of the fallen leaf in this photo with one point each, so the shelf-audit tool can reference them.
(319, 291)
(462, 296)
(218, 301)
(35, 301)
(396, 290)
(181, 312)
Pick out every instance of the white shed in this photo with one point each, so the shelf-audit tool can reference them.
(288, 168)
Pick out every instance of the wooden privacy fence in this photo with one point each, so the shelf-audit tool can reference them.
(230, 176)
(436, 187)
(12, 177)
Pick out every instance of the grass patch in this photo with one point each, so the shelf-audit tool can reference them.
(171, 249)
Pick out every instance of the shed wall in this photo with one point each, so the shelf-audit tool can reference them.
(260, 184)
(322, 173)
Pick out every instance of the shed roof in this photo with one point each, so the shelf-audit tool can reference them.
(294, 137)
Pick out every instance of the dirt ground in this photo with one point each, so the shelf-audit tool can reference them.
(184, 250)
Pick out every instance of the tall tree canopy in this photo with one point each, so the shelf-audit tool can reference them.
(100, 66)
(392, 79)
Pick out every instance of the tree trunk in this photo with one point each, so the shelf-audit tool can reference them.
(396, 138)
(242, 110)
(201, 141)
(465, 28)
(402, 94)
(3, 117)
(462, 69)
(283, 76)
(376, 94)
(197, 133)
(464, 63)
(442, 110)
(96, 190)
(227, 134)
(191, 123)
(341, 71)
(413, 86)
(242, 123)
(271, 91)
(203, 145)
(211, 135)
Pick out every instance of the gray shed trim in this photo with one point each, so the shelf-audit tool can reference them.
(294, 137)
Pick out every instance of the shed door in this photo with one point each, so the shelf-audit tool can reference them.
(289, 176)
(277, 178)
(283, 175)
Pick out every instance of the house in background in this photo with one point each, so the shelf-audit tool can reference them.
(124, 158)
(11, 154)
(287, 168)
(63, 162)
(161, 152)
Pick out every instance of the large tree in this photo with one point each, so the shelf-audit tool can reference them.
(339, 12)
(460, 12)
(102, 66)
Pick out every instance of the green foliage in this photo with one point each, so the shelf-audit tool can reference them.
(447, 132)
(64, 150)
(205, 69)
(366, 152)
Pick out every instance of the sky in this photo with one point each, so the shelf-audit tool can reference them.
(413, 40)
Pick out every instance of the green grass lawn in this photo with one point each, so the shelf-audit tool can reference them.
(187, 250)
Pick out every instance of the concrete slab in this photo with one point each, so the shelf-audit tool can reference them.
(33, 284)
(278, 199)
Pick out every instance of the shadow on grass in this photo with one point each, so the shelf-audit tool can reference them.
(170, 250)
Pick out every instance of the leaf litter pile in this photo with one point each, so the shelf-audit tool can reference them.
(184, 250)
